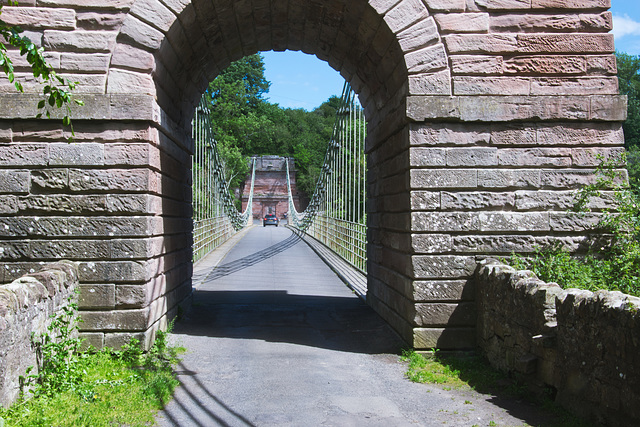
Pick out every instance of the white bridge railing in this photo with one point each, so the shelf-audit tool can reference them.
(215, 216)
(336, 214)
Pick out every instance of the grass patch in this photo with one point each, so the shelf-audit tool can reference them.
(94, 388)
(472, 372)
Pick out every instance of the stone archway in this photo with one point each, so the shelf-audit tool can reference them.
(483, 116)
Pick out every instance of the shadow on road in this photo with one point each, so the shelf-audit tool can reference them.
(253, 259)
(199, 405)
(336, 323)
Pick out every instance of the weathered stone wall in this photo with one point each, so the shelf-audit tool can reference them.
(26, 307)
(482, 116)
(585, 346)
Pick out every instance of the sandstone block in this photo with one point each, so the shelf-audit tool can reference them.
(84, 62)
(118, 320)
(8, 204)
(513, 135)
(546, 65)
(438, 83)
(583, 22)
(476, 200)
(576, 134)
(131, 296)
(504, 244)
(134, 203)
(445, 5)
(421, 156)
(447, 178)
(421, 34)
(443, 266)
(444, 221)
(382, 6)
(109, 180)
(405, 12)
(567, 178)
(534, 157)
(475, 64)
(514, 221)
(14, 181)
(79, 41)
(23, 155)
(568, 221)
(129, 57)
(427, 59)
(481, 43)
(50, 179)
(504, 4)
(574, 86)
(88, 4)
(431, 243)
(565, 43)
(38, 17)
(592, 157)
(91, 20)
(425, 200)
(126, 82)
(491, 85)
(68, 249)
(154, 13)
(62, 203)
(609, 108)
(543, 199)
(140, 33)
(445, 314)
(602, 64)
(570, 4)
(443, 290)
(510, 108)
(111, 226)
(450, 134)
(76, 154)
(112, 271)
(97, 296)
(471, 157)
(463, 22)
(444, 338)
(505, 178)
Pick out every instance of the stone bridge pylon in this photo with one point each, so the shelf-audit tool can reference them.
(482, 115)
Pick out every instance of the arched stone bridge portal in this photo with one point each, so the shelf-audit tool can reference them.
(483, 115)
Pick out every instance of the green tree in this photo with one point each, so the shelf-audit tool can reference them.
(245, 124)
(56, 90)
(629, 83)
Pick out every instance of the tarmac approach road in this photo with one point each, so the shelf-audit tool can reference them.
(274, 338)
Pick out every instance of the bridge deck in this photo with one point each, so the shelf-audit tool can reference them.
(275, 338)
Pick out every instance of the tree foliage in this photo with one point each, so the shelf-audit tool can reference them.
(246, 124)
(629, 83)
(56, 90)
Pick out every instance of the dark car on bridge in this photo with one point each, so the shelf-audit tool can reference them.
(270, 219)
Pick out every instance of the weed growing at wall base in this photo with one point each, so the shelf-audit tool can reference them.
(612, 263)
(94, 388)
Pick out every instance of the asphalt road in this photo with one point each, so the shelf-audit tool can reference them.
(274, 338)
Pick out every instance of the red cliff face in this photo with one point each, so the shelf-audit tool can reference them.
(270, 187)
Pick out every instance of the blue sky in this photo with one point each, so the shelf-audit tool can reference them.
(299, 80)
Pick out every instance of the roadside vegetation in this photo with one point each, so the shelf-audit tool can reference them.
(471, 372)
(611, 260)
(109, 387)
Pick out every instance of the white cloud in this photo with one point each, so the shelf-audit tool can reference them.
(623, 25)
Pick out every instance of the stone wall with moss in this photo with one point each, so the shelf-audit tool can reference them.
(580, 347)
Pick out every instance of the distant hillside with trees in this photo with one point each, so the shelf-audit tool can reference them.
(246, 124)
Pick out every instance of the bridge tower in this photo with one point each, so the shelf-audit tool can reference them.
(483, 117)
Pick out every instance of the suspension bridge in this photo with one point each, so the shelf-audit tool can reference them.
(274, 336)
(334, 222)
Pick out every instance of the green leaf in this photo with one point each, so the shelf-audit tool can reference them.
(41, 104)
